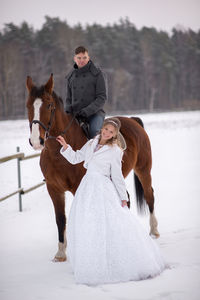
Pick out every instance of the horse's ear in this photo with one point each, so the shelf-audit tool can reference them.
(49, 85)
(29, 83)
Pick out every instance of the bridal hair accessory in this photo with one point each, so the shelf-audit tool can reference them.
(122, 141)
(111, 121)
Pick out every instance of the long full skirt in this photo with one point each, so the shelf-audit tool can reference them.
(106, 243)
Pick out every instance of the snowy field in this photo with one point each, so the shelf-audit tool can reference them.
(29, 238)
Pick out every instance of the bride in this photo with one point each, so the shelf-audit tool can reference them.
(106, 243)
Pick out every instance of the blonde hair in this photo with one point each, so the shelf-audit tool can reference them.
(115, 122)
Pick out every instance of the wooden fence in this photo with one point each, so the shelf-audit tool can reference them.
(20, 157)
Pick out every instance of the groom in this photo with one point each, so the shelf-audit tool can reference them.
(86, 91)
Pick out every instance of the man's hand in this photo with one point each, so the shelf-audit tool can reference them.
(82, 120)
(82, 113)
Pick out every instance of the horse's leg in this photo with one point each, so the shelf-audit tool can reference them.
(145, 180)
(58, 199)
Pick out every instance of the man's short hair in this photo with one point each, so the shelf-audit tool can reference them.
(80, 49)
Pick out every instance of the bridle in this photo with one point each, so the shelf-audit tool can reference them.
(48, 127)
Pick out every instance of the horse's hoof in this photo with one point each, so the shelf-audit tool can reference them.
(59, 259)
(155, 235)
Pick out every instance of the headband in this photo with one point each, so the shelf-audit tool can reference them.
(111, 121)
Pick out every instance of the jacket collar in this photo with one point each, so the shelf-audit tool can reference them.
(89, 67)
(93, 69)
(90, 151)
(94, 144)
(83, 69)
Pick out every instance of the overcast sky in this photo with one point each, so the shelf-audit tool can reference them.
(162, 14)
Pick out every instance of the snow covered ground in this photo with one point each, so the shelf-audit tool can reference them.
(29, 238)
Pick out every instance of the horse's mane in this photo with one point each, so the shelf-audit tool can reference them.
(58, 100)
(37, 92)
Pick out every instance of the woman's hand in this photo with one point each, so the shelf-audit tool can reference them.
(62, 141)
(124, 203)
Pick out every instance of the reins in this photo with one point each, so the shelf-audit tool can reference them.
(48, 128)
(62, 132)
(68, 126)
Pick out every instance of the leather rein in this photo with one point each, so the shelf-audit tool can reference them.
(48, 127)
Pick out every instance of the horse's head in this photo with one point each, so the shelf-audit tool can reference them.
(41, 107)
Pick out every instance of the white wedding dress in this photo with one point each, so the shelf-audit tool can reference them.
(105, 242)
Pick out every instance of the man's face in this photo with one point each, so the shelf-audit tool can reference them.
(81, 59)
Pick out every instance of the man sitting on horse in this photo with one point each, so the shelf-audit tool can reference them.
(86, 92)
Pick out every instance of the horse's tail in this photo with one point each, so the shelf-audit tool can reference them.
(138, 120)
(141, 203)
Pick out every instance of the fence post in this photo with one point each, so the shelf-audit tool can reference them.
(19, 180)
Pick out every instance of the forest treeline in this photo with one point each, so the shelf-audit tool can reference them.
(145, 69)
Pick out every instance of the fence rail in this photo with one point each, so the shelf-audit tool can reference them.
(10, 157)
(20, 156)
(11, 194)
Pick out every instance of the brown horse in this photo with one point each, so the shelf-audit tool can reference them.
(48, 120)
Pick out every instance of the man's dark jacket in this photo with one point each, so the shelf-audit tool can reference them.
(86, 91)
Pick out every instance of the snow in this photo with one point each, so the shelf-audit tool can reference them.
(29, 238)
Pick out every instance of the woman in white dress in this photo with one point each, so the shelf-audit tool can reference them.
(106, 243)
